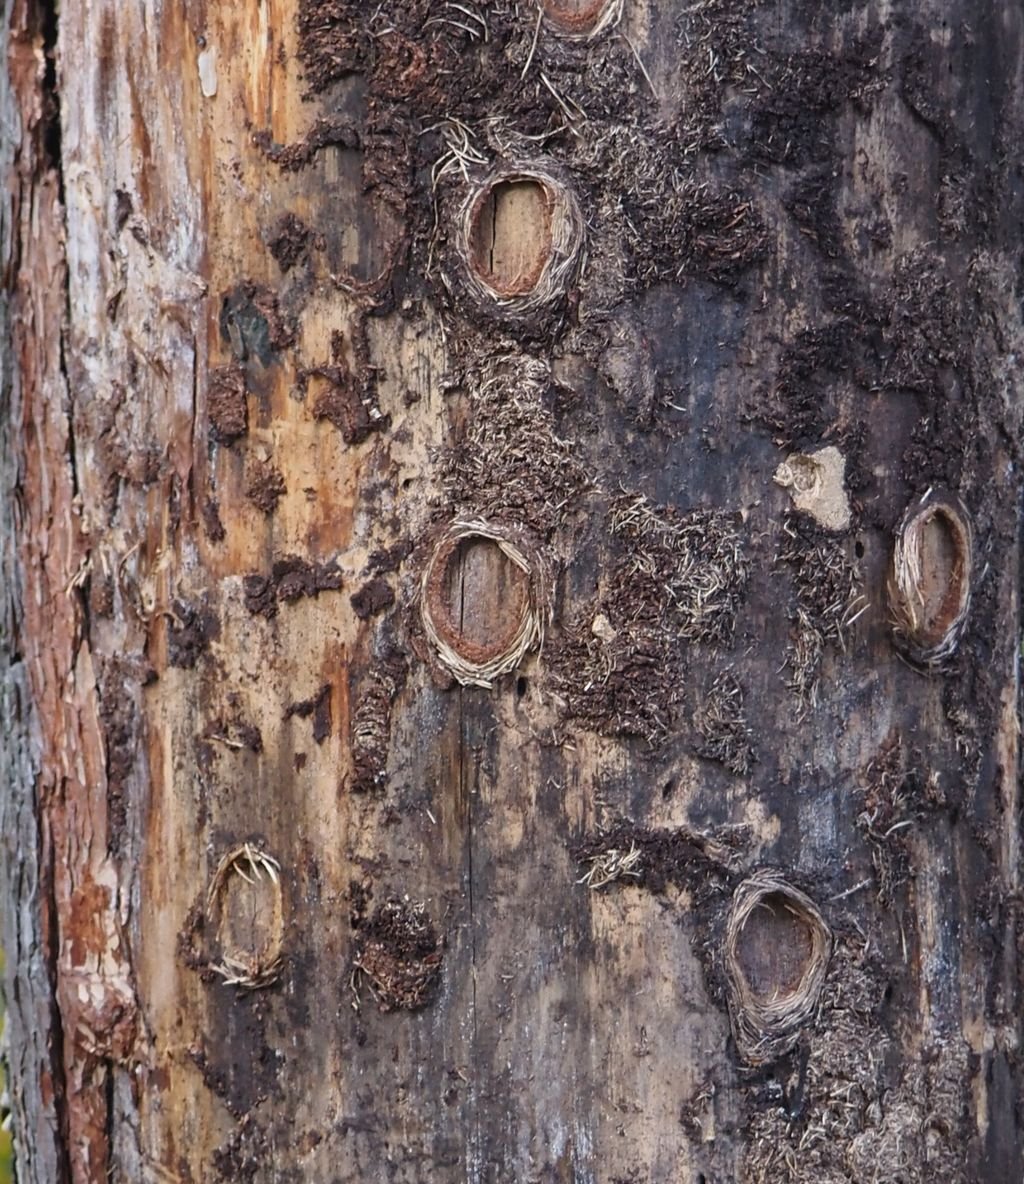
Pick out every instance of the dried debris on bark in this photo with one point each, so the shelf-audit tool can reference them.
(826, 599)
(851, 1106)
(318, 707)
(370, 733)
(722, 727)
(509, 462)
(398, 953)
(620, 666)
(290, 579)
(227, 409)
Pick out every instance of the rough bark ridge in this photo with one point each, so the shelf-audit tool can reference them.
(642, 852)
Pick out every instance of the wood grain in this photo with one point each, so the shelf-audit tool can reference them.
(247, 391)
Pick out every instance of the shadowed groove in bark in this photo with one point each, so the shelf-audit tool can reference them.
(38, 1089)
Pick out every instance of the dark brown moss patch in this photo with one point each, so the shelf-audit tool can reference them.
(339, 404)
(398, 953)
(243, 1158)
(265, 485)
(291, 578)
(328, 131)
(373, 597)
(508, 462)
(390, 559)
(898, 791)
(123, 208)
(682, 858)
(638, 694)
(619, 667)
(319, 707)
(346, 399)
(234, 732)
(792, 123)
(811, 202)
(190, 630)
(119, 720)
(798, 405)
(852, 1053)
(289, 241)
(101, 594)
(331, 44)
(226, 404)
(371, 722)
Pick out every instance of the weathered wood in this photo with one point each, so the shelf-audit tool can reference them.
(352, 349)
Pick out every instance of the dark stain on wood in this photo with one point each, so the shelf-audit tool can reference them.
(319, 707)
(291, 578)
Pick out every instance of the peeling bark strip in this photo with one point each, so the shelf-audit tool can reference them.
(692, 316)
(77, 912)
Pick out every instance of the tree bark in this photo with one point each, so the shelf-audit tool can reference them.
(511, 590)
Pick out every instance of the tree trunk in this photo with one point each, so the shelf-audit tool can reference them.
(511, 605)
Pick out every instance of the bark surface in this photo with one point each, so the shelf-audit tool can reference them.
(461, 718)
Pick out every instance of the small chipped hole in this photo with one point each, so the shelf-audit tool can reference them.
(510, 237)
(521, 687)
(858, 549)
(667, 790)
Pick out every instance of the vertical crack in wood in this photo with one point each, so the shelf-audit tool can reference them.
(466, 808)
(51, 939)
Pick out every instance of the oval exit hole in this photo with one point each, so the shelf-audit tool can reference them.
(246, 914)
(510, 235)
(482, 600)
(942, 571)
(478, 602)
(581, 18)
(777, 950)
(930, 578)
(519, 240)
(774, 948)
